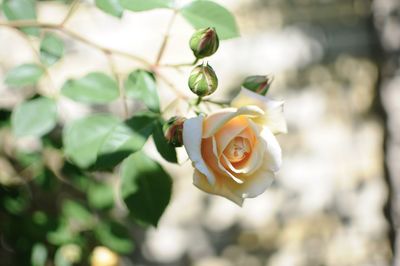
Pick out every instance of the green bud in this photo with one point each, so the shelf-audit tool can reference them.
(173, 129)
(203, 81)
(258, 84)
(204, 42)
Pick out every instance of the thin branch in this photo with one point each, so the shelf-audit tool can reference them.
(170, 84)
(71, 11)
(181, 65)
(220, 103)
(121, 87)
(39, 62)
(74, 35)
(170, 105)
(166, 37)
(105, 49)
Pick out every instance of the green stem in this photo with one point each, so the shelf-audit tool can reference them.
(221, 103)
(198, 101)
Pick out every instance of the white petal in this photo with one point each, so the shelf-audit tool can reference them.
(192, 137)
(257, 182)
(219, 188)
(273, 156)
(273, 109)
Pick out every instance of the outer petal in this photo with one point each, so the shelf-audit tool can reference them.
(273, 117)
(192, 132)
(255, 184)
(215, 121)
(259, 182)
(273, 153)
(220, 188)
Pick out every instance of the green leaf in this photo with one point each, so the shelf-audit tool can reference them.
(140, 5)
(51, 49)
(202, 14)
(125, 139)
(24, 75)
(100, 195)
(141, 85)
(34, 118)
(39, 255)
(78, 214)
(112, 7)
(95, 87)
(146, 188)
(62, 235)
(115, 237)
(21, 10)
(166, 150)
(84, 137)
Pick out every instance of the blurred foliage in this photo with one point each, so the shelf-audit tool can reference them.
(63, 189)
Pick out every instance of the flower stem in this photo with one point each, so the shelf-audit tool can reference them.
(166, 38)
(198, 101)
(74, 35)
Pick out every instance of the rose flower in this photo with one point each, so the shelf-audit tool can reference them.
(234, 151)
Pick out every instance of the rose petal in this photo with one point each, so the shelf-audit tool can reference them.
(257, 185)
(210, 155)
(229, 131)
(215, 121)
(192, 139)
(221, 167)
(219, 188)
(273, 156)
(273, 117)
(251, 164)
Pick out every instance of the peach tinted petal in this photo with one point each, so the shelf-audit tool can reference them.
(229, 131)
(215, 121)
(249, 166)
(209, 153)
(221, 166)
(192, 132)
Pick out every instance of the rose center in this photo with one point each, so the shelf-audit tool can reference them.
(237, 149)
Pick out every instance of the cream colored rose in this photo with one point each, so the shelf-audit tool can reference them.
(234, 151)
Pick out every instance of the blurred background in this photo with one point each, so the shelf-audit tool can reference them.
(335, 202)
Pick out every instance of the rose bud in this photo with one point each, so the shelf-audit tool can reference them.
(173, 130)
(203, 81)
(257, 84)
(204, 42)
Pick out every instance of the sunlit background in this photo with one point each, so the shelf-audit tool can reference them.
(336, 65)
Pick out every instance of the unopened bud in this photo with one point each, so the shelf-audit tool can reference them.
(203, 81)
(173, 129)
(258, 84)
(204, 42)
